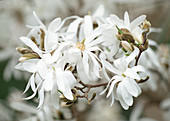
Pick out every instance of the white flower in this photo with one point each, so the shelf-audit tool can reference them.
(126, 24)
(88, 66)
(124, 83)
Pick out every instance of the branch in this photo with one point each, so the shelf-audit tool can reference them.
(88, 86)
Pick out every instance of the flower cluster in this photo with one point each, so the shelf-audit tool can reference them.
(63, 56)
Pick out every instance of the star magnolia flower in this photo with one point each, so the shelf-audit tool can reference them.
(88, 66)
(109, 33)
(124, 83)
(47, 73)
(126, 24)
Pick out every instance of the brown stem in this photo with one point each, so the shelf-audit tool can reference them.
(88, 86)
(137, 59)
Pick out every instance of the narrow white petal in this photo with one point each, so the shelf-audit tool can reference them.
(93, 48)
(132, 74)
(60, 80)
(38, 20)
(115, 20)
(112, 87)
(126, 19)
(70, 77)
(55, 98)
(63, 22)
(118, 64)
(42, 69)
(96, 41)
(88, 25)
(32, 45)
(19, 66)
(119, 94)
(86, 63)
(95, 33)
(96, 67)
(30, 97)
(41, 97)
(126, 96)
(81, 72)
(108, 66)
(112, 99)
(54, 24)
(137, 22)
(138, 68)
(30, 65)
(32, 82)
(114, 48)
(48, 82)
(132, 87)
(68, 93)
(131, 56)
(27, 87)
(73, 27)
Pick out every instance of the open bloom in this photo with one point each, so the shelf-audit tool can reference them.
(123, 85)
(48, 73)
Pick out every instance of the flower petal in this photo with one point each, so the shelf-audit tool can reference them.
(48, 82)
(88, 25)
(42, 69)
(126, 19)
(131, 56)
(81, 72)
(30, 65)
(132, 74)
(86, 63)
(73, 27)
(108, 66)
(54, 24)
(60, 79)
(126, 96)
(137, 22)
(112, 87)
(55, 98)
(41, 97)
(118, 64)
(38, 20)
(119, 94)
(32, 45)
(132, 87)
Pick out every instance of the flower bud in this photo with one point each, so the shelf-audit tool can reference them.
(127, 46)
(23, 50)
(144, 46)
(125, 35)
(28, 56)
(146, 24)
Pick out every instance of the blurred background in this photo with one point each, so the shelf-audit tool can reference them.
(15, 14)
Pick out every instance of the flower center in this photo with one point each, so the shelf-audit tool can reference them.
(81, 45)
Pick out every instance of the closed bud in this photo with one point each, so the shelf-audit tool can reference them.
(23, 50)
(144, 46)
(125, 35)
(28, 56)
(146, 24)
(66, 104)
(127, 46)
